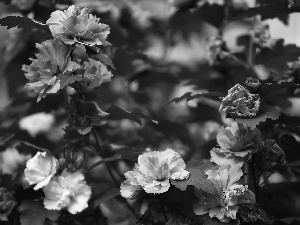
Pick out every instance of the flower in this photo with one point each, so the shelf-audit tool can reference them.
(153, 172)
(43, 73)
(40, 169)
(37, 123)
(237, 144)
(229, 195)
(75, 25)
(95, 73)
(239, 103)
(270, 157)
(68, 190)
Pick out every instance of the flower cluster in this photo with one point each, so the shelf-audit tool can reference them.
(228, 195)
(59, 63)
(153, 173)
(237, 143)
(240, 103)
(68, 190)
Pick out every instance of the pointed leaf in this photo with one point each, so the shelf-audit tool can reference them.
(23, 22)
(102, 57)
(198, 179)
(252, 123)
(117, 113)
(188, 96)
(269, 88)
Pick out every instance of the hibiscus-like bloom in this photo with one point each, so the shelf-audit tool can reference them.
(40, 169)
(75, 25)
(270, 157)
(68, 190)
(153, 173)
(237, 143)
(239, 103)
(44, 71)
(95, 73)
(228, 195)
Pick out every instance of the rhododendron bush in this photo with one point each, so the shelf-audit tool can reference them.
(174, 112)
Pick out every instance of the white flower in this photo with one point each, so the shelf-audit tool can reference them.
(37, 123)
(75, 25)
(153, 173)
(40, 169)
(68, 190)
(228, 195)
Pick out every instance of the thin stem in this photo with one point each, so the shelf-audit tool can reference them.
(254, 180)
(266, 179)
(162, 207)
(110, 172)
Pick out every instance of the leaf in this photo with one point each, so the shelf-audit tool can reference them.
(287, 220)
(117, 113)
(110, 159)
(269, 10)
(23, 22)
(188, 96)
(277, 56)
(198, 179)
(24, 146)
(66, 79)
(34, 213)
(252, 123)
(7, 203)
(213, 221)
(102, 57)
(269, 88)
(4, 141)
(107, 196)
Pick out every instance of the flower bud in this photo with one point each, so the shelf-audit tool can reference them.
(252, 83)
(239, 103)
(270, 156)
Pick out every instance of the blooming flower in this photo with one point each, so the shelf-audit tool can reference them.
(239, 103)
(40, 169)
(68, 190)
(270, 157)
(95, 73)
(237, 143)
(37, 123)
(153, 173)
(75, 25)
(229, 194)
(43, 73)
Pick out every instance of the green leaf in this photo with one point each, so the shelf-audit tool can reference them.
(4, 141)
(252, 123)
(117, 113)
(288, 220)
(107, 196)
(66, 79)
(110, 159)
(198, 179)
(188, 96)
(214, 221)
(23, 22)
(34, 213)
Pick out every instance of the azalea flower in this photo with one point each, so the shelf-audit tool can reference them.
(75, 25)
(68, 190)
(37, 123)
(237, 143)
(51, 62)
(228, 195)
(153, 173)
(40, 169)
